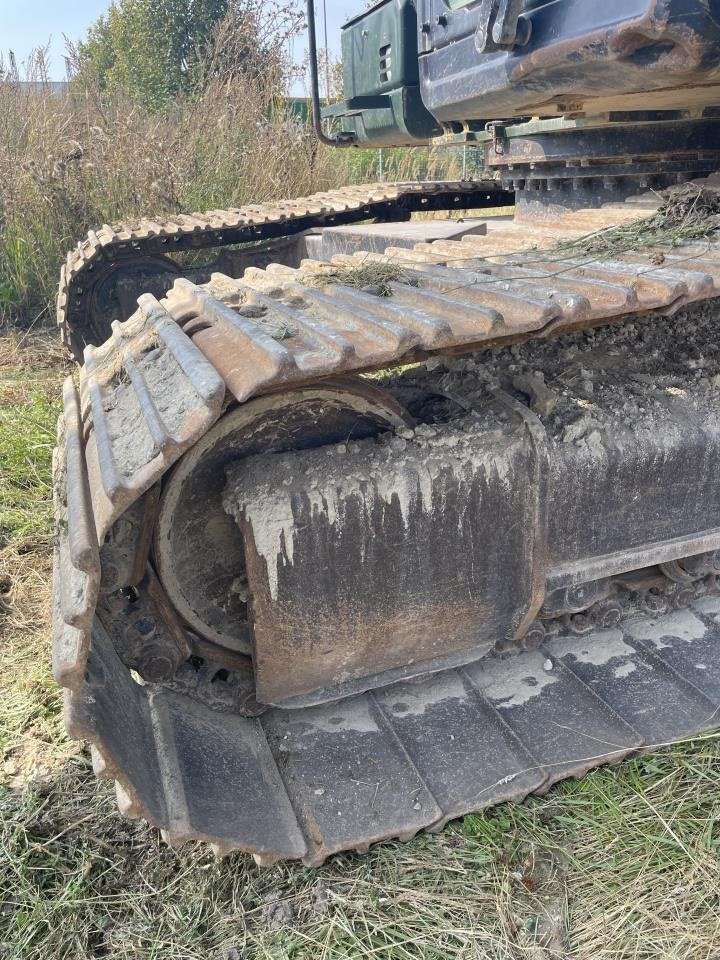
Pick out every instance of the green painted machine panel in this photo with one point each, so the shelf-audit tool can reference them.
(383, 106)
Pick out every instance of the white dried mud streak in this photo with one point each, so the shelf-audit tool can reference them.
(400, 470)
(599, 378)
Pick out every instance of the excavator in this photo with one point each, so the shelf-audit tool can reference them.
(407, 504)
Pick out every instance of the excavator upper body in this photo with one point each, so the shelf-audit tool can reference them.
(407, 505)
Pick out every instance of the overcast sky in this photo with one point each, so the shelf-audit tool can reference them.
(26, 24)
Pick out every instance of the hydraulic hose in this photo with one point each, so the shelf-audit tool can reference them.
(341, 140)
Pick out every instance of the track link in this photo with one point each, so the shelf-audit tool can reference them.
(141, 249)
(307, 783)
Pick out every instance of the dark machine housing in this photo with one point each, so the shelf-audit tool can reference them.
(414, 69)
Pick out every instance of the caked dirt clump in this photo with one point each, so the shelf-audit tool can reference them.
(609, 377)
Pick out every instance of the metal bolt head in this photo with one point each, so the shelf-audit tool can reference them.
(504, 645)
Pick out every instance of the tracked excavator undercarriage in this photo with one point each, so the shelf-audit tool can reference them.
(388, 522)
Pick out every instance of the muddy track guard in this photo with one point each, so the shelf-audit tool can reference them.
(253, 620)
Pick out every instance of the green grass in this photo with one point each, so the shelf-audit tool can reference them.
(623, 865)
(27, 436)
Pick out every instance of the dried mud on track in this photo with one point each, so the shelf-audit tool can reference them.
(624, 864)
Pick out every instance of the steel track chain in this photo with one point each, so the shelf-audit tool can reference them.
(147, 238)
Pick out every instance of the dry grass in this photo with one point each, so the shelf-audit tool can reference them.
(72, 162)
(375, 276)
(69, 163)
(687, 213)
(621, 866)
(30, 372)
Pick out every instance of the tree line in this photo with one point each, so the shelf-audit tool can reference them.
(156, 50)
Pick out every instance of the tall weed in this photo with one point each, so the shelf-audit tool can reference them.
(73, 159)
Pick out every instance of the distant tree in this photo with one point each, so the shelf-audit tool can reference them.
(156, 49)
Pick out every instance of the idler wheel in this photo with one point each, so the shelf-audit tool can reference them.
(198, 548)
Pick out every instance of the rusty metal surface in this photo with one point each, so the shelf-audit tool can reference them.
(273, 328)
(76, 567)
(634, 55)
(359, 526)
(148, 395)
(140, 249)
(347, 596)
(274, 785)
(197, 550)
(158, 385)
